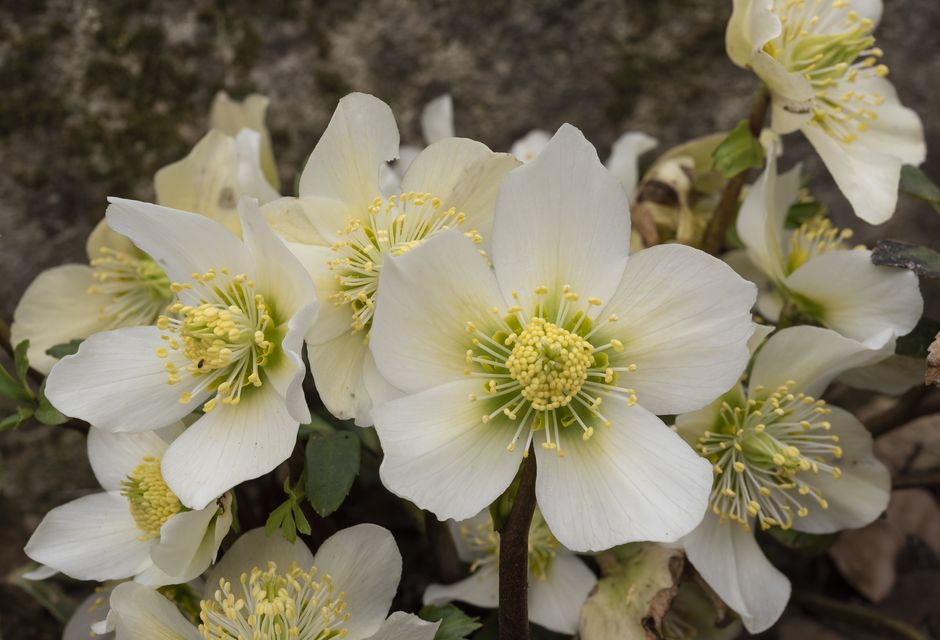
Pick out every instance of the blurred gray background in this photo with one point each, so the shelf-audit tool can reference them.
(97, 94)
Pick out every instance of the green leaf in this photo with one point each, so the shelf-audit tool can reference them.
(47, 593)
(916, 343)
(915, 182)
(65, 349)
(332, 463)
(21, 362)
(455, 624)
(14, 420)
(12, 388)
(45, 412)
(278, 519)
(894, 253)
(803, 211)
(738, 152)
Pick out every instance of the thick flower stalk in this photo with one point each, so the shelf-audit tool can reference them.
(559, 582)
(267, 588)
(228, 347)
(782, 457)
(137, 528)
(816, 269)
(343, 229)
(568, 348)
(824, 72)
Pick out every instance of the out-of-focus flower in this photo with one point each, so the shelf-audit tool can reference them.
(819, 62)
(568, 345)
(233, 116)
(437, 123)
(232, 346)
(781, 458)
(266, 587)
(559, 582)
(137, 528)
(815, 270)
(452, 184)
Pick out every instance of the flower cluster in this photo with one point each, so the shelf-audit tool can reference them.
(473, 314)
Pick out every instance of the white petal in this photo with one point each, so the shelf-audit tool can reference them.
(769, 301)
(113, 456)
(361, 137)
(480, 588)
(251, 179)
(625, 157)
(42, 572)
(426, 298)
(684, 321)
(868, 179)
(378, 388)
(791, 94)
(337, 368)
(893, 376)
(760, 222)
(555, 602)
(858, 299)
(141, 612)
(231, 116)
(57, 308)
(752, 25)
(812, 357)
(528, 147)
(464, 174)
(405, 626)
(897, 131)
(561, 219)
(229, 445)
(104, 237)
(466, 552)
(117, 383)
(365, 563)
(391, 179)
(733, 565)
(187, 544)
(291, 218)
(860, 495)
(636, 480)
(93, 610)
(181, 243)
(439, 454)
(255, 549)
(287, 376)
(92, 538)
(437, 119)
(332, 320)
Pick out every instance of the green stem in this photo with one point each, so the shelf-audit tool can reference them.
(857, 616)
(514, 558)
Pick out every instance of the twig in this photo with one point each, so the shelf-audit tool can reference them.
(916, 402)
(855, 615)
(445, 551)
(514, 558)
(714, 237)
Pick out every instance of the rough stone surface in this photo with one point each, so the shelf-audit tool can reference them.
(97, 95)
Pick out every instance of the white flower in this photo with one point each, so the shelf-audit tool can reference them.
(266, 587)
(559, 582)
(451, 185)
(233, 116)
(818, 59)
(814, 268)
(437, 123)
(568, 345)
(231, 345)
(782, 458)
(137, 528)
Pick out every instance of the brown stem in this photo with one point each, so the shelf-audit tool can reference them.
(914, 403)
(446, 561)
(514, 558)
(857, 616)
(714, 237)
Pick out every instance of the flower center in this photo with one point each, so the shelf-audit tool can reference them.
(227, 338)
(543, 372)
(831, 47)
(151, 502)
(767, 451)
(391, 226)
(814, 237)
(138, 289)
(272, 604)
(483, 542)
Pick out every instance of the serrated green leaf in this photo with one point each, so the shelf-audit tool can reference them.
(14, 420)
(332, 463)
(64, 349)
(918, 184)
(894, 253)
(916, 343)
(21, 362)
(455, 624)
(45, 412)
(739, 151)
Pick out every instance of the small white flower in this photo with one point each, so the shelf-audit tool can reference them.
(137, 528)
(231, 344)
(818, 59)
(559, 582)
(816, 270)
(568, 345)
(233, 116)
(266, 587)
(782, 458)
(343, 229)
